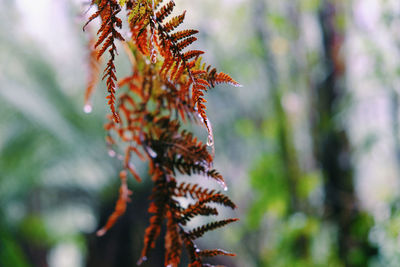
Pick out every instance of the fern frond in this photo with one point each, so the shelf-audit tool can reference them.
(185, 42)
(173, 243)
(151, 234)
(160, 199)
(174, 22)
(200, 231)
(222, 78)
(192, 190)
(93, 77)
(192, 54)
(182, 34)
(167, 86)
(165, 11)
(108, 10)
(194, 210)
(217, 198)
(120, 207)
(214, 252)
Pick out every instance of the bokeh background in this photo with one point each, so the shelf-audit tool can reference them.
(309, 146)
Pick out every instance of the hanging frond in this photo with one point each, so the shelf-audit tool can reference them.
(93, 75)
(108, 34)
(166, 88)
(173, 242)
(120, 207)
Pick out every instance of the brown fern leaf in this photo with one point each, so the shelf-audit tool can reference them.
(192, 54)
(173, 242)
(217, 198)
(195, 264)
(194, 210)
(174, 22)
(93, 77)
(214, 252)
(165, 11)
(151, 234)
(222, 78)
(161, 198)
(128, 165)
(120, 207)
(142, 40)
(193, 190)
(108, 10)
(189, 167)
(182, 34)
(200, 231)
(184, 43)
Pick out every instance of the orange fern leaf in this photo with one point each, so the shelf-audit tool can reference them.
(107, 10)
(165, 11)
(93, 77)
(174, 22)
(215, 252)
(120, 207)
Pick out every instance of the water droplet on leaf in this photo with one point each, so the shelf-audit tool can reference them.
(101, 232)
(153, 56)
(111, 153)
(151, 152)
(141, 260)
(210, 140)
(223, 185)
(87, 108)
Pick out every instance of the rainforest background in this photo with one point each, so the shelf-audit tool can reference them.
(309, 146)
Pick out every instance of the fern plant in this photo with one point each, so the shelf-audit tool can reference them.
(165, 89)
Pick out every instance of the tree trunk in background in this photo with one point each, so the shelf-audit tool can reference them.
(286, 151)
(331, 144)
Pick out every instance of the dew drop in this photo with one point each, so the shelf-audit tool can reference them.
(87, 108)
(151, 152)
(210, 140)
(111, 153)
(223, 185)
(153, 56)
(197, 250)
(101, 232)
(131, 166)
(141, 260)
